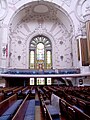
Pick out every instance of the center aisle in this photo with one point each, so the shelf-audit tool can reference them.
(38, 112)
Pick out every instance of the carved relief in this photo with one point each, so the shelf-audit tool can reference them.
(67, 2)
(3, 9)
(40, 24)
(81, 29)
(13, 1)
(82, 9)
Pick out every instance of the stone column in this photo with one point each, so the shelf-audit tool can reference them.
(79, 50)
(78, 38)
(0, 41)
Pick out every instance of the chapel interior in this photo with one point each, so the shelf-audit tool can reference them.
(44, 60)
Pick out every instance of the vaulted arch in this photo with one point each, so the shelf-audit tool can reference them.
(30, 23)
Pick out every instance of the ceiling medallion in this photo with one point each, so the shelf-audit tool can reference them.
(40, 8)
(82, 9)
(3, 9)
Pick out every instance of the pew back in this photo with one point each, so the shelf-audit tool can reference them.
(5, 104)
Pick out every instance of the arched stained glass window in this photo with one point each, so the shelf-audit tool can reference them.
(40, 53)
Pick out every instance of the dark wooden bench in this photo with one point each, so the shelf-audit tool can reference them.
(30, 112)
(26, 92)
(72, 112)
(1, 97)
(49, 111)
(32, 93)
(17, 90)
(5, 104)
(11, 110)
(80, 103)
(54, 113)
(19, 115)
(45, 111)
(80, 115)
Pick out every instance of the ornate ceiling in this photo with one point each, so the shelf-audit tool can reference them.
(3, 9)
(35, 9)
(82, 9)
(41, 19)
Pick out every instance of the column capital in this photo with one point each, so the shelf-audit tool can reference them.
(87, 17)
(87, 11)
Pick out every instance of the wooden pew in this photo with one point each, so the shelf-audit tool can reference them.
(1, 97)
(49, 111)
(18, 90)
(52, 89)
(3, 89)
(53, 112)
(11, 110)
(45, 111)
(30, 112)
(80, 103)
(72, 112)
(21, 111)
(25, 91)
(63, 108)
(80, 115)
(5, 104)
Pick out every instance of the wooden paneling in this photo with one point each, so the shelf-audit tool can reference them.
(88, 39)
(84, 52)
(78, 49)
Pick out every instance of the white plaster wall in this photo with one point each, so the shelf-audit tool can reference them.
(0, 41)
(70, 6)
(49, 24)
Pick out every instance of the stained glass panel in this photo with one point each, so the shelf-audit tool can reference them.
(40, 51)
(48, 59)
(31, 81)
(32, 59)
(40, 81)
(49, 81)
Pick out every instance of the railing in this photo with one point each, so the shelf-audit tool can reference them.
(50, 71)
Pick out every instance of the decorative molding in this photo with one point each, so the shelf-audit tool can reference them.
(4, 51)
(67, 2)
(81, 30)
(3, 9)
(33, 24)
(13, 2)
(82, 9)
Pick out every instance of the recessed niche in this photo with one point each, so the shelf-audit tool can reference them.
(41, 9)
(19, 42)
(61, 57)
(61, 42)
(19, 57)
